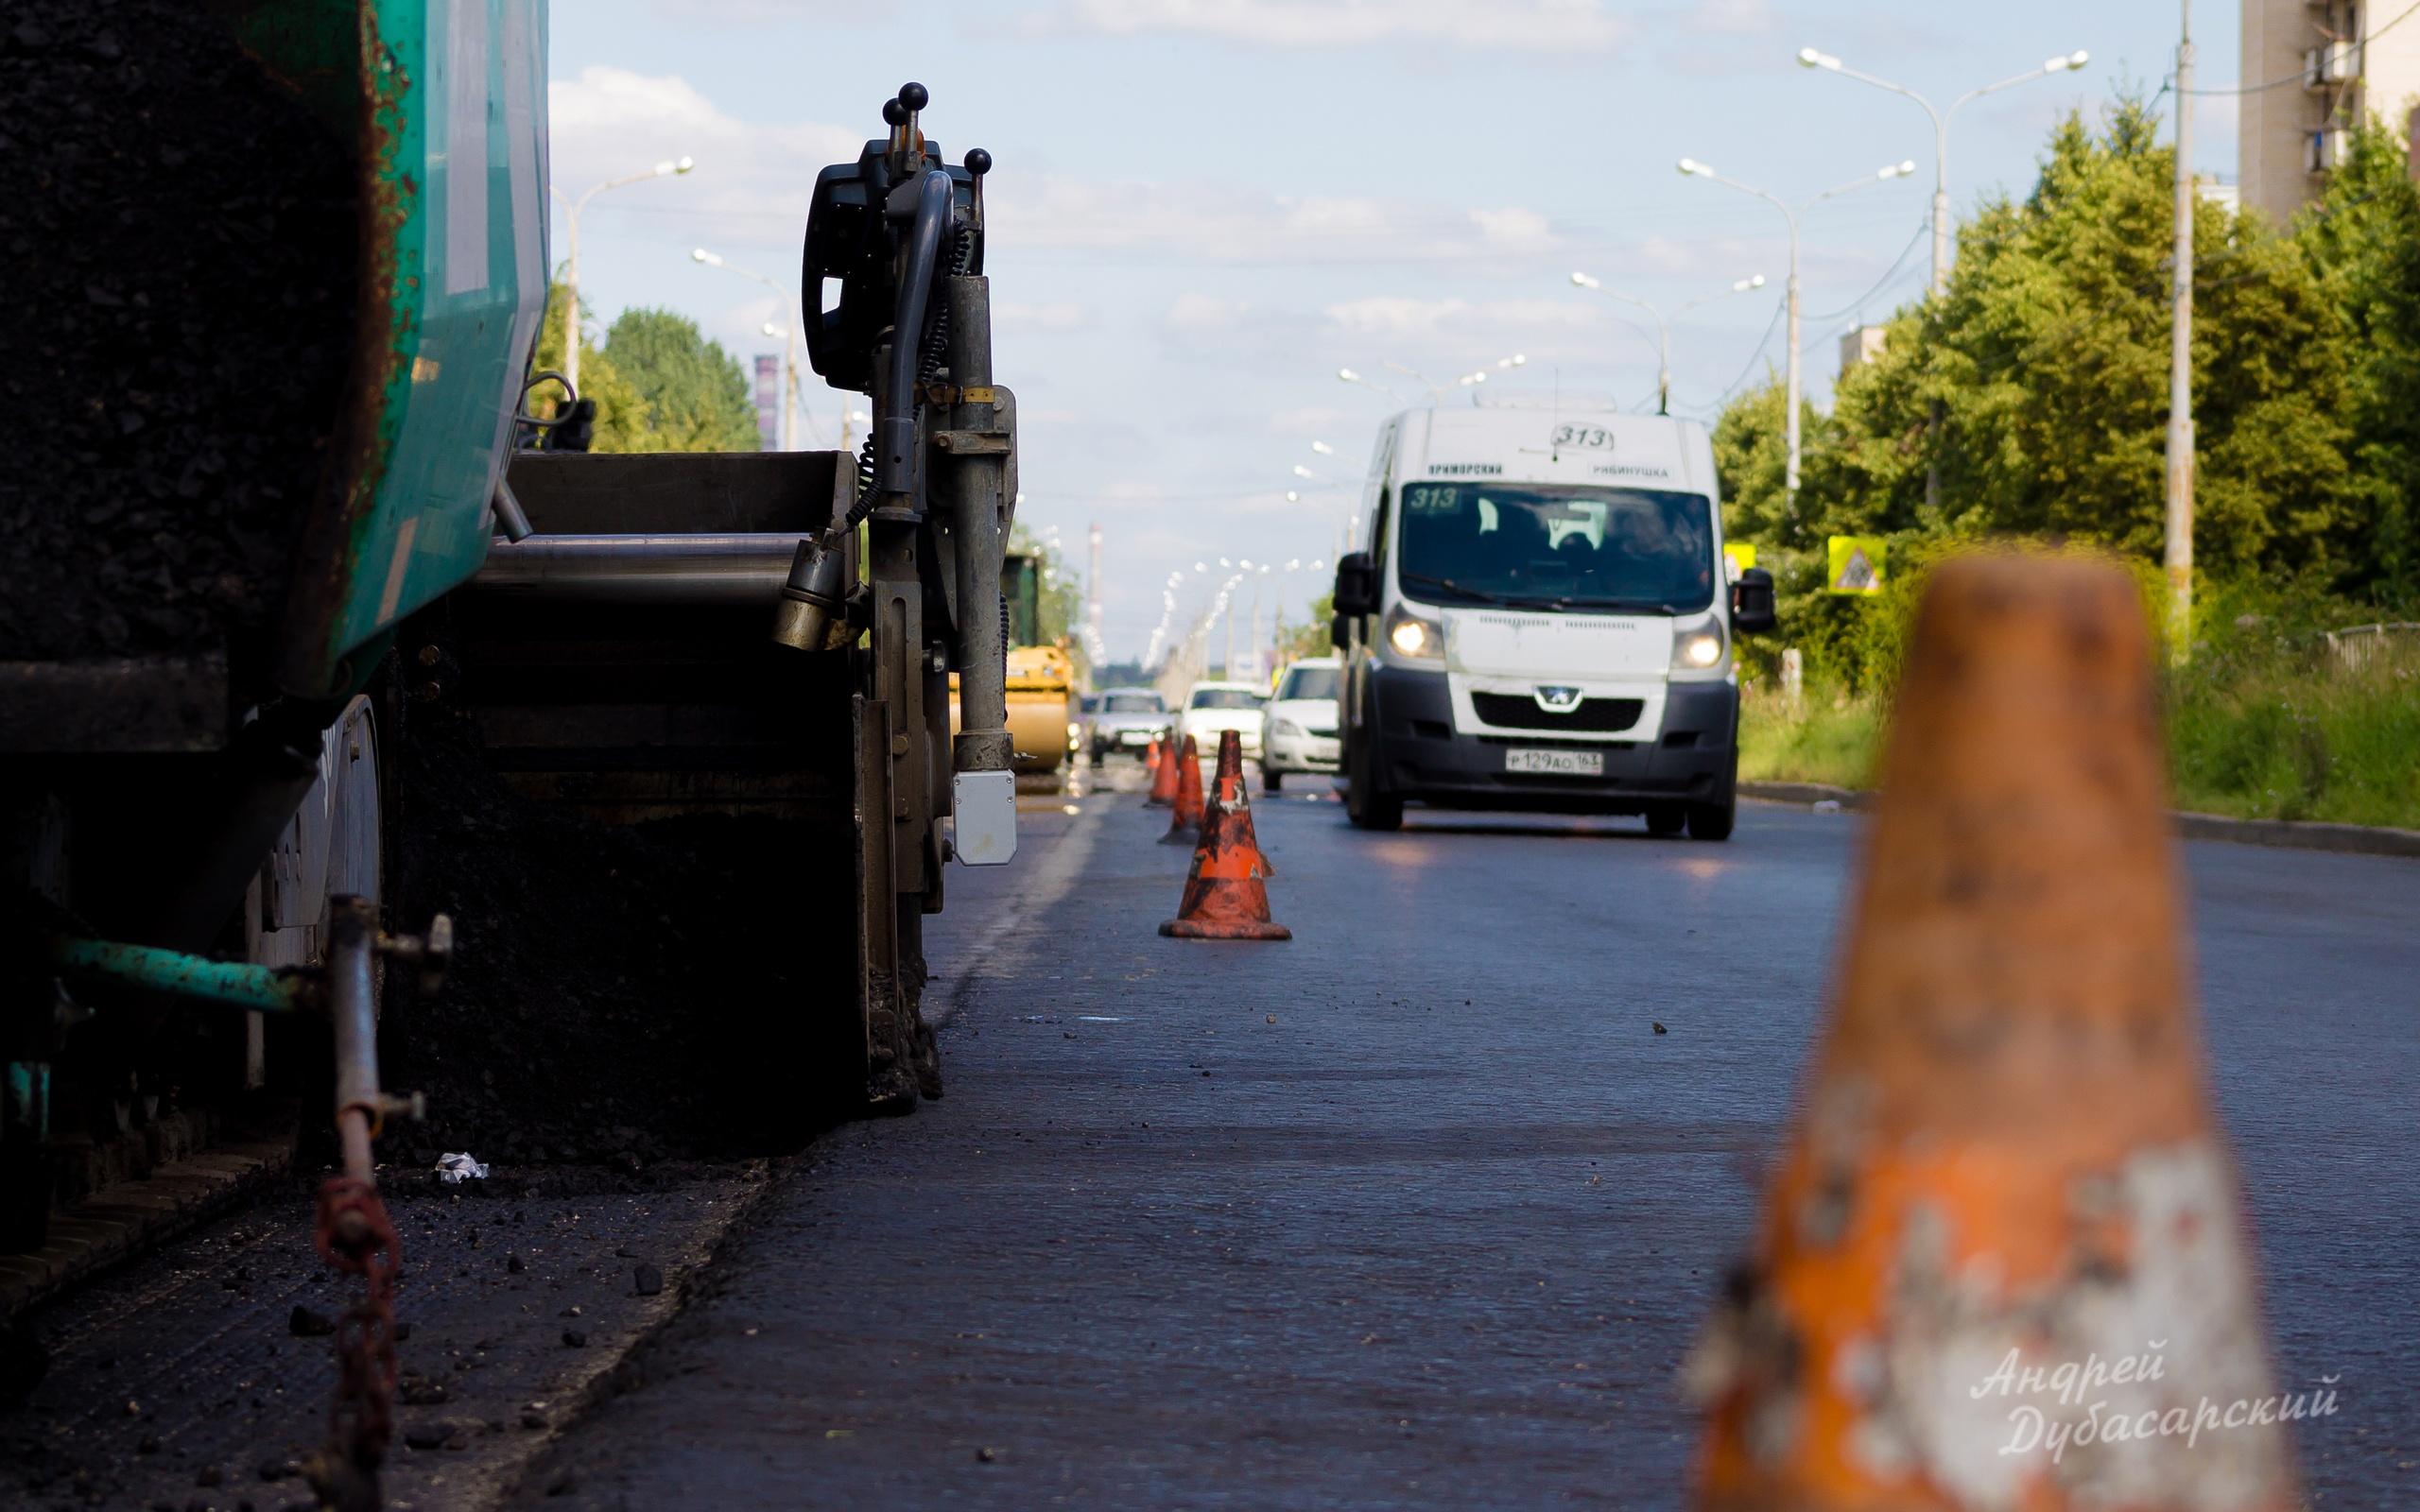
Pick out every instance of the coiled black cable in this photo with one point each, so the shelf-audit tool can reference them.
(935, 353)
(862, 504)
(934, 357)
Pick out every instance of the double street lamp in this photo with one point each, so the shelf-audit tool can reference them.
(1692, 168)
(668, 169)
(787, 431)
(1346, 375)
(1436, 390)
(1663, 325)
(1809, 58)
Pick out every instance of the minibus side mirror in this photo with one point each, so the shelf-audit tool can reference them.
(1356, 585)
(1752, 603)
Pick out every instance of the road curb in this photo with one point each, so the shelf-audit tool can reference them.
(1847, 797)
(2298, 835)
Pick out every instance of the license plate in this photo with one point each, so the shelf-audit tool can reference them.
(1132, 737)
(1556, 763)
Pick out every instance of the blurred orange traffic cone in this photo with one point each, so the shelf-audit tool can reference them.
(1224, 898)
(1185, 822)
(1163, 778)
(2000, 1263)
(1229, 787)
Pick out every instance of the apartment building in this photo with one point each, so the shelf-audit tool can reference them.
(2312, 68)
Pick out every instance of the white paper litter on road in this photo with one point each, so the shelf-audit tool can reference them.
(455, 1169)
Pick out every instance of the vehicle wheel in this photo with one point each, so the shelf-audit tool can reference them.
(1099, 757)
(1665, 820)
(1713, 821)
(1271, 780)
(1381, 812)
(1369, 810)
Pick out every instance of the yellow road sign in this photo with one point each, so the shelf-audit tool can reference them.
(1855, 565)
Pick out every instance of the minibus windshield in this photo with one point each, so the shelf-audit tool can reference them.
(1546, 545)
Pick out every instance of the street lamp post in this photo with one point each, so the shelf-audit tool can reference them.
(1347, 375)
(789, 432)
(787, 435)
(1664, 326)
(571, 255)
(1472, 380)
(1436, 389)
(1692, 168)
(1809, 58)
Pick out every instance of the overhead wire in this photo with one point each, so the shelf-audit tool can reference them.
(1780, 307)
(2300, 75)
(1889, 275)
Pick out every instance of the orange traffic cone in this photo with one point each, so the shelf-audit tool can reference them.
(1163, 778)
(1184, 821)
(1224, 898)
(2001, 1263)
(1231, 789)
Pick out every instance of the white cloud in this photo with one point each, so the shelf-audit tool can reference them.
(751, 181)
(1230, 224)
(1515, 230)
(1319, 421)
(1526, 25)
(1395, 318)
(1708, 260)
(1202, 312)
(763, 12)
(1441, 339)
(1736, 18)
(1018, 316)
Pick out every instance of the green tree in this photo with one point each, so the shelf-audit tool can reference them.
(1060, 609)
(697, 396)
(2047, 360)
(1752, 457)
(621, 413)
(1296, 642)
(2362, 239)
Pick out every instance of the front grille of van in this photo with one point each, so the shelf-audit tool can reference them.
(1594, 716)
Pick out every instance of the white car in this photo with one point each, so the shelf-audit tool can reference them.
(1298, 727)
(1213, 707)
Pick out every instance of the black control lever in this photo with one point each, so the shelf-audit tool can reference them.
(888, 228)
(854, 238)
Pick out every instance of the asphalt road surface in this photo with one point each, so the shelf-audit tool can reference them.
(1420, 1210)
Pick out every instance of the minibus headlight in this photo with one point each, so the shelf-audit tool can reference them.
(1698, 647)
(1414, 637)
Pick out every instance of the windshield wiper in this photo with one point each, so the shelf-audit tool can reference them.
(1627, 605)
(1452, 586)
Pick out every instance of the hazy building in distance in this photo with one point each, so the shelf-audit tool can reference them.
(1861, 344)
(769, 401)
(2311, 70)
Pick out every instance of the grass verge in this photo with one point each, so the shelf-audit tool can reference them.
(2274, 744)
(1818, 741)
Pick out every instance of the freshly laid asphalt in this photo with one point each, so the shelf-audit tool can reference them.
(1421, 1209)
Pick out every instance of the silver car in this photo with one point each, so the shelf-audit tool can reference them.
(1298, 729)
(1123, 720)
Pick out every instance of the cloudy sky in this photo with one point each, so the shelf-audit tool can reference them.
(1202, 208)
